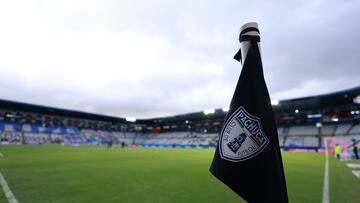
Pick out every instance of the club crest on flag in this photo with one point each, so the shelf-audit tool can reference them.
(242, 137)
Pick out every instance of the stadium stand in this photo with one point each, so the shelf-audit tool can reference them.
(355, 129)
(294, 141)
(328, 129)
(311, 141)
(303, 130)
(302, 123)
(342, 128)
(282, 131)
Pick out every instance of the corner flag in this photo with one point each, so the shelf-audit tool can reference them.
(247, 157)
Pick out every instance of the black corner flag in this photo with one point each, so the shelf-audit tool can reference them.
(247, 157)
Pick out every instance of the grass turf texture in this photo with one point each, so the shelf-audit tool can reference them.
(2, 196)
(54, 173)
(343, 184)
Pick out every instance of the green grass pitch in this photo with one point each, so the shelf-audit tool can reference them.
(52, 173)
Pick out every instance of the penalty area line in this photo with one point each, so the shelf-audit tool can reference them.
(325, 197)
(8, 194)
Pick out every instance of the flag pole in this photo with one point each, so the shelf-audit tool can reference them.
(246, 44)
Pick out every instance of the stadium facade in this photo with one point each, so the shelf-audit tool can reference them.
(301, 123)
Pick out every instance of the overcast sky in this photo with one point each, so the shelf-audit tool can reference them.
(151, 58)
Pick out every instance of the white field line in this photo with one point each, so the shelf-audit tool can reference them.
(356, 173)
(8, 194)
(326, 198)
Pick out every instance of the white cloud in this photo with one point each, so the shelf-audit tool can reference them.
(152, 58)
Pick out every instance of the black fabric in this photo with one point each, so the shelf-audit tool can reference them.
(249, 29)
(249, 38)
(238, 56)
(261, 178)
(242, 38)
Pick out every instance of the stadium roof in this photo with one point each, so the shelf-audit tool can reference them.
(324, 101)
(19, 106)
(333, 101)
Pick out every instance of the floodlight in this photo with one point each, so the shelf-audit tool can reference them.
(275, 102)
(356, 99)
(226, 109)
(9, 115)
(209, 111)
(314, 115)
(130, 119)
